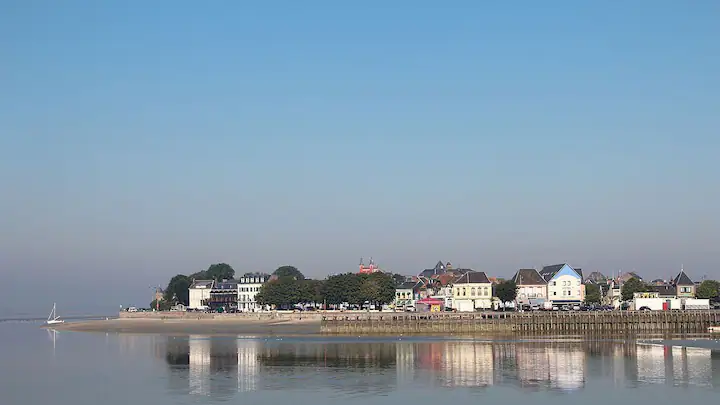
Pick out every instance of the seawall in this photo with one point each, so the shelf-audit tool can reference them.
(531, 323)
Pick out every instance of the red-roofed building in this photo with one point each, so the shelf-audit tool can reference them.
(370, 268)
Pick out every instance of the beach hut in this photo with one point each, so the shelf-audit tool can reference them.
(430, 305)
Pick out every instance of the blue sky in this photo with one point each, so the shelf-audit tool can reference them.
(143, 139)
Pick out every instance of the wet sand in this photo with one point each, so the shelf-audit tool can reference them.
(196, 326)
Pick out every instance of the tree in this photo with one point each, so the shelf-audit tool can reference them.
(382, 289)
(200, 275)
(341, 288)
(289, 271)
(709, 289)
(592, 294)
(283, 292)
(311, 291)
(357, 289)
(219, 272)
(178, 290)
(631, 287)
(506, 291)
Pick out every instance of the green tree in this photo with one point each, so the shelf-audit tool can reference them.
(342, 288)
(200, 275)
(592, 294)
(382, 290)
(177, 290)
(219, 272)
(282, 293)
(311, 291)
(506, 291)
(337, 288)
(631, 287)
(709, 289)
(289, 271)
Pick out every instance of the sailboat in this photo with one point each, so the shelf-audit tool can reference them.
(53, 318)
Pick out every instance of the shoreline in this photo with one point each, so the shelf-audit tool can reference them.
(237, 326)
(399, 324)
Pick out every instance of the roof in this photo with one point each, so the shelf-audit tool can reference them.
(408, 285)
(682, 279)
(473, 277)
(596, 277)
(202, 284)
(548, 272)
(579, 272)
(226, 285)
(528, 277)
(663, 290)
(441, 269)
(628, 275)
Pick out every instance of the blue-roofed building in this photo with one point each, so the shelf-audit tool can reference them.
(564, 283)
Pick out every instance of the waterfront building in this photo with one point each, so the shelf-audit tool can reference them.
(565, 285)
(199, 293)
(224, 294)
(471, 291)
(532, 288)
(248, 288)
(407, 293)
(685, 288)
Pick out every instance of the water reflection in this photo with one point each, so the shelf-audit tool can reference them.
(220, 367)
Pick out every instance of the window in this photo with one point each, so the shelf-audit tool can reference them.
(554, 283)
(472, 291)
(464, 291)
(554, 292)
(486, 291)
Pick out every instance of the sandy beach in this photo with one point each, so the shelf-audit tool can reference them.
(238, 326)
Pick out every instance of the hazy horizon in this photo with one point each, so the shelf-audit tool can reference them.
(139, 141)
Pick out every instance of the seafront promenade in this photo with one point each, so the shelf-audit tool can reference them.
(396, 323)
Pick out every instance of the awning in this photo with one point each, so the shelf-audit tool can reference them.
(431, 301)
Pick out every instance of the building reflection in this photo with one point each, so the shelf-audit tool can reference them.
(467, 364)
(222, 367)
(676, 365)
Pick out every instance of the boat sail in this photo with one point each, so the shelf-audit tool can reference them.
(53, 318)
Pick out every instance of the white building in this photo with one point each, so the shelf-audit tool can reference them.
(471, 291)
(532, 288)
(248, 288)
(406, 294)
(199, 293)
(564, 284)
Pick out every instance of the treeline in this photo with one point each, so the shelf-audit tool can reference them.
(289, 287)
(288, 290)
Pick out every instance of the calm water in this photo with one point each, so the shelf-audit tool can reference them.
(74, 368)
